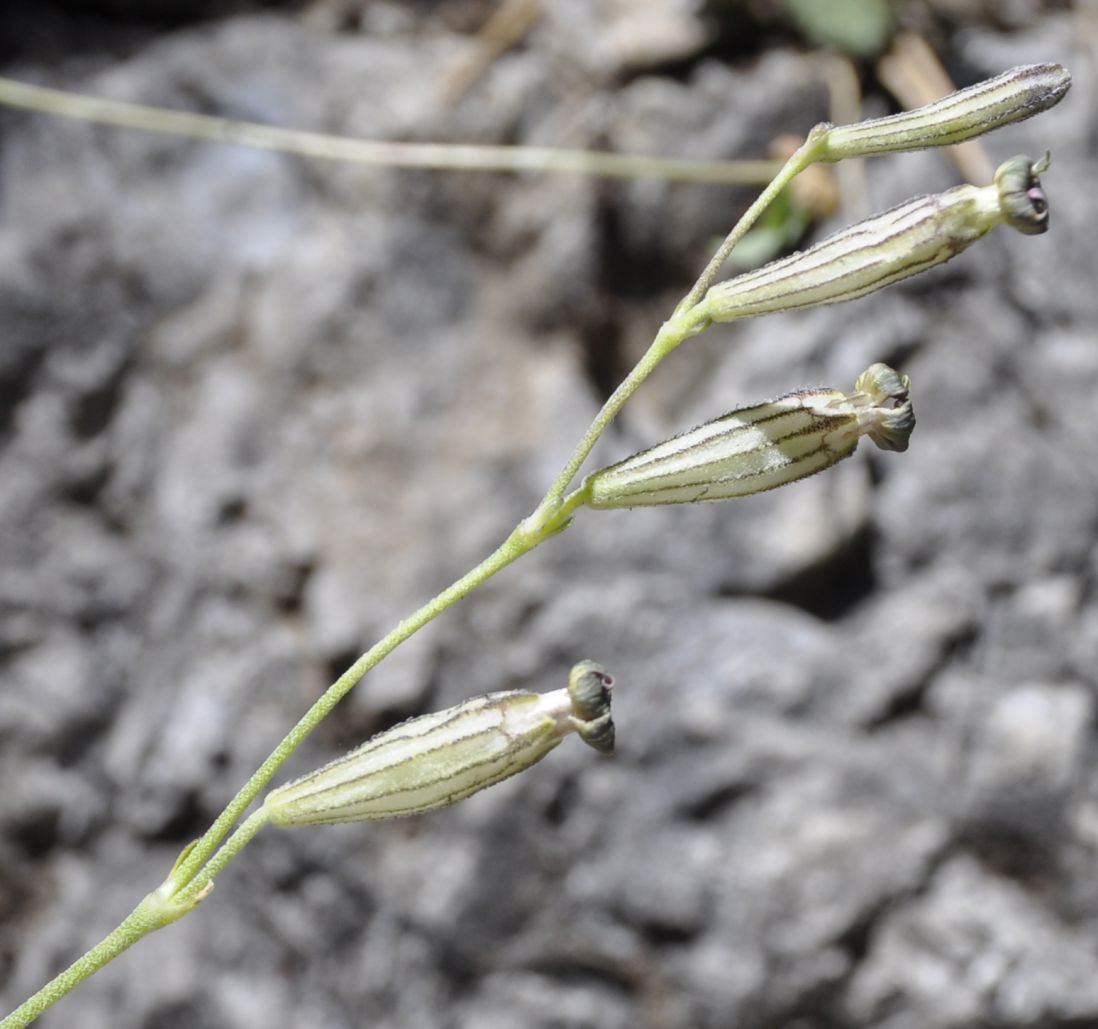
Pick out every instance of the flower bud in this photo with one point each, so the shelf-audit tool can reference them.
(1013, 96)
(438, 759)
(760, 448)
(874, 253)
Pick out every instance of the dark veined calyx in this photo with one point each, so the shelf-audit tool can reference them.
(438, 759)
(762, 447)
(871, 254)
(1015, 95)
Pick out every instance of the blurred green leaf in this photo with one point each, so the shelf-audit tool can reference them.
(861, 28)
(780, 229)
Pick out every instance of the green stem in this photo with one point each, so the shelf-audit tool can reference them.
(806, 154)
(191, 880)
(517, 544)
(379, 153)
(155, 911)
(160, 908)
(672, 333)
(140, 922)
(198, 887)
(688, 320)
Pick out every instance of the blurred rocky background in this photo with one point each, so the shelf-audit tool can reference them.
(253, 410)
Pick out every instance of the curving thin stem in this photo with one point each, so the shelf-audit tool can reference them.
(192, 878)
(198, 888)
(379, 153)
(671, 335)
(1013, 96)
(688, 319)
(804, 156)
(158, 909)
(194, 862)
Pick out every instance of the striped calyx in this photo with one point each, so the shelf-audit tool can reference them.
(1013, 96)
(874, 253)
(760, 448)
(438, 759)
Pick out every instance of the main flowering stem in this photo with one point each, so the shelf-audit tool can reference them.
(896, 247)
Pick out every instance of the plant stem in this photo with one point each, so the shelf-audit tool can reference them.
(806, 154)
(517, 544)
(160, 908)
(381, 153)
(140, 922)
(192, 878)
(687, 320)
(197, 888)
(672, 333)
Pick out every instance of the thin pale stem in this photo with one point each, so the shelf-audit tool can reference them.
(192, 878)
(140, 922)
(687, 320)
(447, 156)
(670, 336)
(194, 873)
(196, 889)
(158, 909)
(127, 933)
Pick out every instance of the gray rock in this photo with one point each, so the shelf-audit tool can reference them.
(975, 948)
(254, 410)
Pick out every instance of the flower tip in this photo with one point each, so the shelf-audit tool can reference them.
(589, 686)
(1054, 80)
(889, 418)
(1021, 197)
(1015, 95)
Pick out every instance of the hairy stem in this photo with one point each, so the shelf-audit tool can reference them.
(191, 880)
(517, 544)
(802, 157)
(688, 319)
(140, 922)
(671, 335)
(1015, 95)
(199, 887)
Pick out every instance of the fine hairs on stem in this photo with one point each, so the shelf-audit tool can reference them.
(440, 758)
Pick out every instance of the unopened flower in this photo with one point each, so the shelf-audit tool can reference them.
(759, 448)
(438, 759)
(874, 253)
(1013, 96)
(1021, 198)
